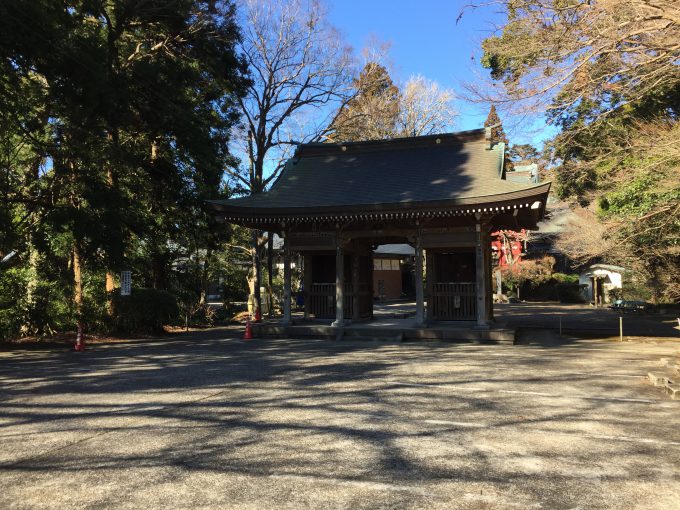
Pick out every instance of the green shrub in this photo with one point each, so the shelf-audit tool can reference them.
(558, 287)
(13, 311)
(32, 305)
(144, 311)
(569, 293)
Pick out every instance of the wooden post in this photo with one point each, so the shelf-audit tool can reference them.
(420, 301)
(286, 281)
(429, 282)
(356, 300)
(255, 238)
(307, 283)
(270, 270)
(488, 267)
(480, 274)
(339, 285)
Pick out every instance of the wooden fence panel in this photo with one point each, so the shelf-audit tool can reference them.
(453, 301)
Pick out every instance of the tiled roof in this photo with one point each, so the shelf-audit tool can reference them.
(455, 168)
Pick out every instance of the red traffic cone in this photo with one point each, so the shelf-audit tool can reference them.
(80, 341)
(248, 335)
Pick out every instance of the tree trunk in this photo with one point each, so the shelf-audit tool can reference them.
(32, 325)
(204, 278)
(78, 285)
(255, 238)
(270, 276)
(158, 260)
(112, 183)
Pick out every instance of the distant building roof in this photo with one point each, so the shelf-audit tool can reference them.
(523, 173)
(395, 249)
(604, 267)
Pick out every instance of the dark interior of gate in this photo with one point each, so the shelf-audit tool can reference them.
(450, 278)
(319, 285)
(452, 293)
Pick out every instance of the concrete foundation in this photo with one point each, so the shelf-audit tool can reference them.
(388, 330)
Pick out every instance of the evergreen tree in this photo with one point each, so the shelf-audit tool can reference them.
(606, 74)
(498, 135)
(123, 113)
(373, 112)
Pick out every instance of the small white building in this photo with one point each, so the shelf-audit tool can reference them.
(599, 280)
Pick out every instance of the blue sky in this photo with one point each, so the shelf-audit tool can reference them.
(425, 39)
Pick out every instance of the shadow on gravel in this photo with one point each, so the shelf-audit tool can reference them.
(317, 409)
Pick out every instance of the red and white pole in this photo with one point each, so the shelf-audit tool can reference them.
(80, 340)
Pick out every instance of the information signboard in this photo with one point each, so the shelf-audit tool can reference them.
(125, 283)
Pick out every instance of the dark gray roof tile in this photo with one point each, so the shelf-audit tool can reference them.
(456, 168)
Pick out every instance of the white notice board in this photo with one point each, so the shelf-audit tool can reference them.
(125, 283)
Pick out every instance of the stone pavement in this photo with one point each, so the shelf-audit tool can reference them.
(211, 421)
(575, 317)
(586, 319)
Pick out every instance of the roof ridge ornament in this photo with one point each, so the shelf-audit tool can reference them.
(487, 135)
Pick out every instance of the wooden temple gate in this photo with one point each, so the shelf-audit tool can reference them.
(451, 289)
(442, 194)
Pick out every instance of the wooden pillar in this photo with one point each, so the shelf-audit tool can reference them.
(307, 283)
(480, 273)
(420, 297)
(429, 282)
(339, 285)
(356, 300)
(370, 281)
(488, 263)
(286, 281)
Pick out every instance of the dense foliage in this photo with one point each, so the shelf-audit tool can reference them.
(115, 118)
(607, 74)
(378, 109)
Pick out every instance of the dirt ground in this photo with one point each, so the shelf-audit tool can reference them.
(208, 420)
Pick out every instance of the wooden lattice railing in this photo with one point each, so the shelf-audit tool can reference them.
(322, 300)
(453, 301)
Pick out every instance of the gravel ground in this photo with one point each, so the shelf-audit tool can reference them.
(211, 421)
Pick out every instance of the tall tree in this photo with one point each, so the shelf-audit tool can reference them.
(373, 111)
(379, 110)
(136, 102)
(300, 68)
(425, 108)
(498, 135)
(606, 73)
(556, 55)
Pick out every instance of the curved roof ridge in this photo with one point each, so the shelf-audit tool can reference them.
(325, 148)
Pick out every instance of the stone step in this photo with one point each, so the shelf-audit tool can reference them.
(368, 334)
(660, 378)
(371, 338)
(673, 391)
